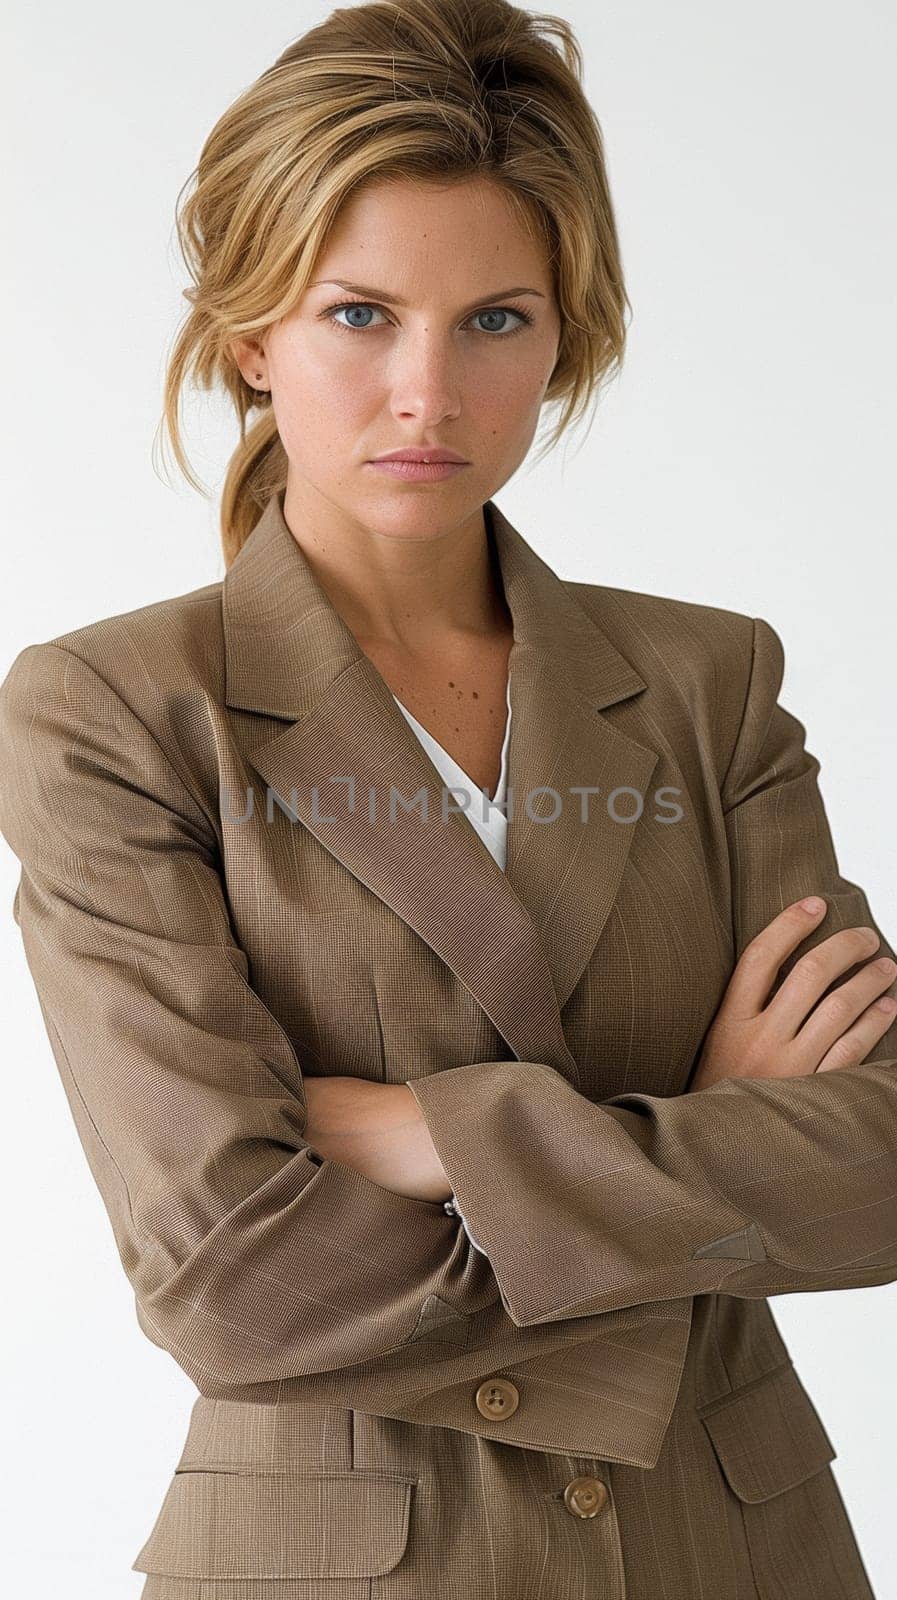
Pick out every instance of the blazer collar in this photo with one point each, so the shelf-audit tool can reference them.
(519, 939)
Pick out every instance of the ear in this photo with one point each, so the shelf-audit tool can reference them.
(250, 357)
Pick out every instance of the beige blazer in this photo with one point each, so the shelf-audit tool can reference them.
(229, 878)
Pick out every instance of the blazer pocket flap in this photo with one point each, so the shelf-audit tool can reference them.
(768, 1437)
(233, 1524)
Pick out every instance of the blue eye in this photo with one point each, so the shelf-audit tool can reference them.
(348, 305)
(524, 318)
(502, 311)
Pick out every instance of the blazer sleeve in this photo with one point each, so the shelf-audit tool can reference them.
(251, 1258)
(752, 1187)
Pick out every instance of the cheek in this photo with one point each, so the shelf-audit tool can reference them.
(507, 406)
(512, 389)
(317, 404)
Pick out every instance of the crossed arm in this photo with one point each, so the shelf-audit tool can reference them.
(254, 1256)
(783, 1173)
(381, 1130)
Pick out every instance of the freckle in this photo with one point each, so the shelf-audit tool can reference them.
(475, 694)
(451, 683)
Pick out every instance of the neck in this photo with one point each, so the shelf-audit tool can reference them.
(401, 591)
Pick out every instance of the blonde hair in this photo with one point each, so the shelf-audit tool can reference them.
(445, 90)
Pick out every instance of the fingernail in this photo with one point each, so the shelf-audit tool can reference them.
(813, 904)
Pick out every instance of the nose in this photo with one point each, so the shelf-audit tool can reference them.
(426, 380)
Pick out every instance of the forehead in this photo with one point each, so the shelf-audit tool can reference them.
(420, 232)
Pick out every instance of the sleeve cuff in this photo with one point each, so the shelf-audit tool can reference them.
(452, 1209)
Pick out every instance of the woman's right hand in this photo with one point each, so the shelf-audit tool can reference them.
(789, 1038)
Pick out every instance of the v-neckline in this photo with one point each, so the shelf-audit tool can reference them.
(450, 760)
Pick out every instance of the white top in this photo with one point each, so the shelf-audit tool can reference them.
(484, 812)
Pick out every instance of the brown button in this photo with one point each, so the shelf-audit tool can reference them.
(584, 1497)
(497, 1398)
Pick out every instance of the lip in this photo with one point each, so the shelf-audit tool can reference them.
(418, 471)
(422, 452)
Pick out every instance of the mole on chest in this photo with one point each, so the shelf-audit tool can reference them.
(465, 713)
(471, 733)
(461, 701)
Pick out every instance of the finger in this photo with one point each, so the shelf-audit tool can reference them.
(758, 965)
(853, 1047)
(833, 1015)
(815, 972)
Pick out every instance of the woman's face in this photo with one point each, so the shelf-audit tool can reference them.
(441, 354)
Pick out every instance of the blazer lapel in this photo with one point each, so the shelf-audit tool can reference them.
(348, 765)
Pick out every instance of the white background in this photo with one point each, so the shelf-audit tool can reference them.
(742, 460)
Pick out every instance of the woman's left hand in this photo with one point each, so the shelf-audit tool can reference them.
(377, 1128)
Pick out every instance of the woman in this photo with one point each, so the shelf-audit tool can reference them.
(389, 1105)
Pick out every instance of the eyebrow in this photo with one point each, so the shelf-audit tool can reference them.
(396, 300)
